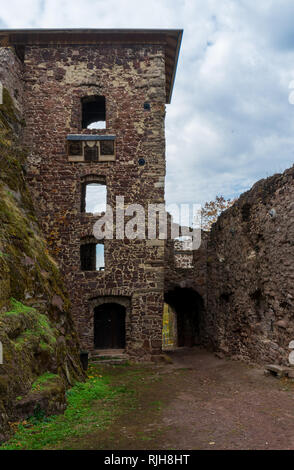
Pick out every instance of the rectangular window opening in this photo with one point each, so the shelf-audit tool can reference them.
(92, 257)
(100, 259)
(94, 196)
(93, 112)
(88, 257)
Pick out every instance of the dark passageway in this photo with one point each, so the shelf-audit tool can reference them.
(188, 306)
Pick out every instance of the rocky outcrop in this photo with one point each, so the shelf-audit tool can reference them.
(40, 347)
(250, 274)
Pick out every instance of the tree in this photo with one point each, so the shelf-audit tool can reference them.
(212, 210)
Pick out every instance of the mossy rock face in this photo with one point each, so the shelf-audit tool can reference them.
(47, 396)
(36, 328)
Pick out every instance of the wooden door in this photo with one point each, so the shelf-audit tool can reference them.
(109, 326)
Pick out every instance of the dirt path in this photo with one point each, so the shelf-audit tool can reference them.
(229, 405)
(198, 402)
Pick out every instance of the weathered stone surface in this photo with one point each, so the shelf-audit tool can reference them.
(50, 399)
(37, 336)
(279, 371)
(282, 323)
(57, 77)
(250, 298)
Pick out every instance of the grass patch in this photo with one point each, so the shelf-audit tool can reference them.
(79, 418)
(156, 405)
(144, 437)
(113, 408)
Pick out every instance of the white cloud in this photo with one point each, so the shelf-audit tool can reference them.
(230, 122)
(21, 14)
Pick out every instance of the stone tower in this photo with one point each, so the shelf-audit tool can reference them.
(94, 108)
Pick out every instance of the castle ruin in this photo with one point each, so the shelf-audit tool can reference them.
(234, 294)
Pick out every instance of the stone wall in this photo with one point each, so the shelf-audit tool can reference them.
(36, 328)
(185, 285)
(250, 274)
(56, 78)
(11, 75)
(180, 273)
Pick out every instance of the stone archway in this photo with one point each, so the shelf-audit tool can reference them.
(189, 308)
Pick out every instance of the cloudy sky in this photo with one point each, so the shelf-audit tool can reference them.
(230, 122)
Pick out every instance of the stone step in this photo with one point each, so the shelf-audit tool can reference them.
(278, 371)
(109, 361)
(109, 358)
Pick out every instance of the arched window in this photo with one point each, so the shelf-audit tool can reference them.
(93, 112)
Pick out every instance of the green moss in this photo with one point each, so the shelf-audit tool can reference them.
(18, 308)
(38, 326)
(19, 227)
(42, 381)
(26, 271)
(44, 346)
(8, 112)
(20, 343)
(11, 154)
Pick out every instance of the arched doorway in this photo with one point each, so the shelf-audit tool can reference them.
(109, 326)
(189, 308)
